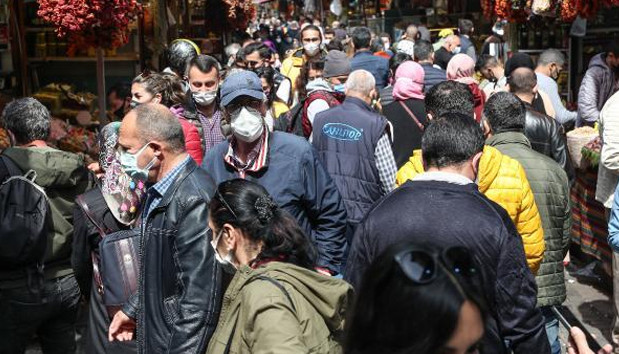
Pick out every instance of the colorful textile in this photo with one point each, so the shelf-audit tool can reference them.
(589, 227)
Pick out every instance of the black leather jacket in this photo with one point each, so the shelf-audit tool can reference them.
(180, 289)
(547, 137)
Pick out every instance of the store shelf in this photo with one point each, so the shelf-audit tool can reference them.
(533, 51)
(82, 59)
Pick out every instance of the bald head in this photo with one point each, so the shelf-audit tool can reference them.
(361, 84)
(451, 42)
(411, 32)
(522, 81)
(155, 122)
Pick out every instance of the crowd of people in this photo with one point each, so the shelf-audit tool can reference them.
(358, 196)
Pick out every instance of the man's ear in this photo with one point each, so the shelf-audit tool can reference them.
(373, 95)
(535, 89)
(485, 127)
(157, 148)
(475, 162)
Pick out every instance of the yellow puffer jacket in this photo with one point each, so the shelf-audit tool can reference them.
(503, 180)
(291, 66)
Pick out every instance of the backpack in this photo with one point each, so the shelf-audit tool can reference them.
(25, 219)
(296, 122)
(291, 121)
(332, 98)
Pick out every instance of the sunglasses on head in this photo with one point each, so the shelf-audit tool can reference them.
(144, 74)
(226, 205)
(421, 266)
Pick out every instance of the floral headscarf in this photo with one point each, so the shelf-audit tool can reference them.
(122, 194)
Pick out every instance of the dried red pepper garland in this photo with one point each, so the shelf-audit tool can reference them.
(240, 12)
(100, 23)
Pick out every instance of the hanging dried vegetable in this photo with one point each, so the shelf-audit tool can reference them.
(100, 23)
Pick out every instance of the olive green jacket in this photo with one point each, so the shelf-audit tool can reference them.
(258, 317)
(63, 176)
(549, 184)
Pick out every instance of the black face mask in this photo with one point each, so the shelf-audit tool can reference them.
(120, 113)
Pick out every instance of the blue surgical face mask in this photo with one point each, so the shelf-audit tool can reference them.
(339, 88)
(129, 163)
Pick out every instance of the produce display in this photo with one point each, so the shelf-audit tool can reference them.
(577, 140)
(592, 150)
(566, 10)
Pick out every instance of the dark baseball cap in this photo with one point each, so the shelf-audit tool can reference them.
(244, 83)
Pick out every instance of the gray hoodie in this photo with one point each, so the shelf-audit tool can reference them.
(597, 86)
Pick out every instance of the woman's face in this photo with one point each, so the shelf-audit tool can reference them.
(265, 86)
(314, 74)
(468, 332)
(140, 95)
(233, 241)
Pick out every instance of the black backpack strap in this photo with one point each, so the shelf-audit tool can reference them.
(11, 166)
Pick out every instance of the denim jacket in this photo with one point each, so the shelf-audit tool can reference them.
(377, 66)
(613, 223)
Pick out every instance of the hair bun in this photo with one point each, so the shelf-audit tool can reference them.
(265, 206)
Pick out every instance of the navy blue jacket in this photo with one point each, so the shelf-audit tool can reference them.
(345, 137)
(378, 66)
(433, 76)
(298, 182)
(444, 214)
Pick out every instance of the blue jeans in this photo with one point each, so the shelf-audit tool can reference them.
(552, 329)
(51, 315)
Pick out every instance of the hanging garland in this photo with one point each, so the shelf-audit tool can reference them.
(522, 10)
(240, 12)
(98, 23)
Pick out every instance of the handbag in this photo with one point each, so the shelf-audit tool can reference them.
(116, 269)
(412, 115)
(119, 269)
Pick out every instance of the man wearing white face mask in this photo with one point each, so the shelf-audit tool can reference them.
(450, 47)
(203, 78)
(286, 165)
(311, 39)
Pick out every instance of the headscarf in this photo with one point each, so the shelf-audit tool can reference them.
(409, 80)
(122, 194)
(461, 68)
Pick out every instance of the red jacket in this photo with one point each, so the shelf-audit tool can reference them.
(480, 100)
(193, 144)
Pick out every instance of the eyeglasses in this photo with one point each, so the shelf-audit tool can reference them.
(223, 201)
(421, 266)
(253, 64)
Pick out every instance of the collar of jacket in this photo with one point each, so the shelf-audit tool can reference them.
(185, 171)
(508, 138)
(359, 103)
(363, 52)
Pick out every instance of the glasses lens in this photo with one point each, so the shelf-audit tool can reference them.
(418, 266)
(460, 262)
